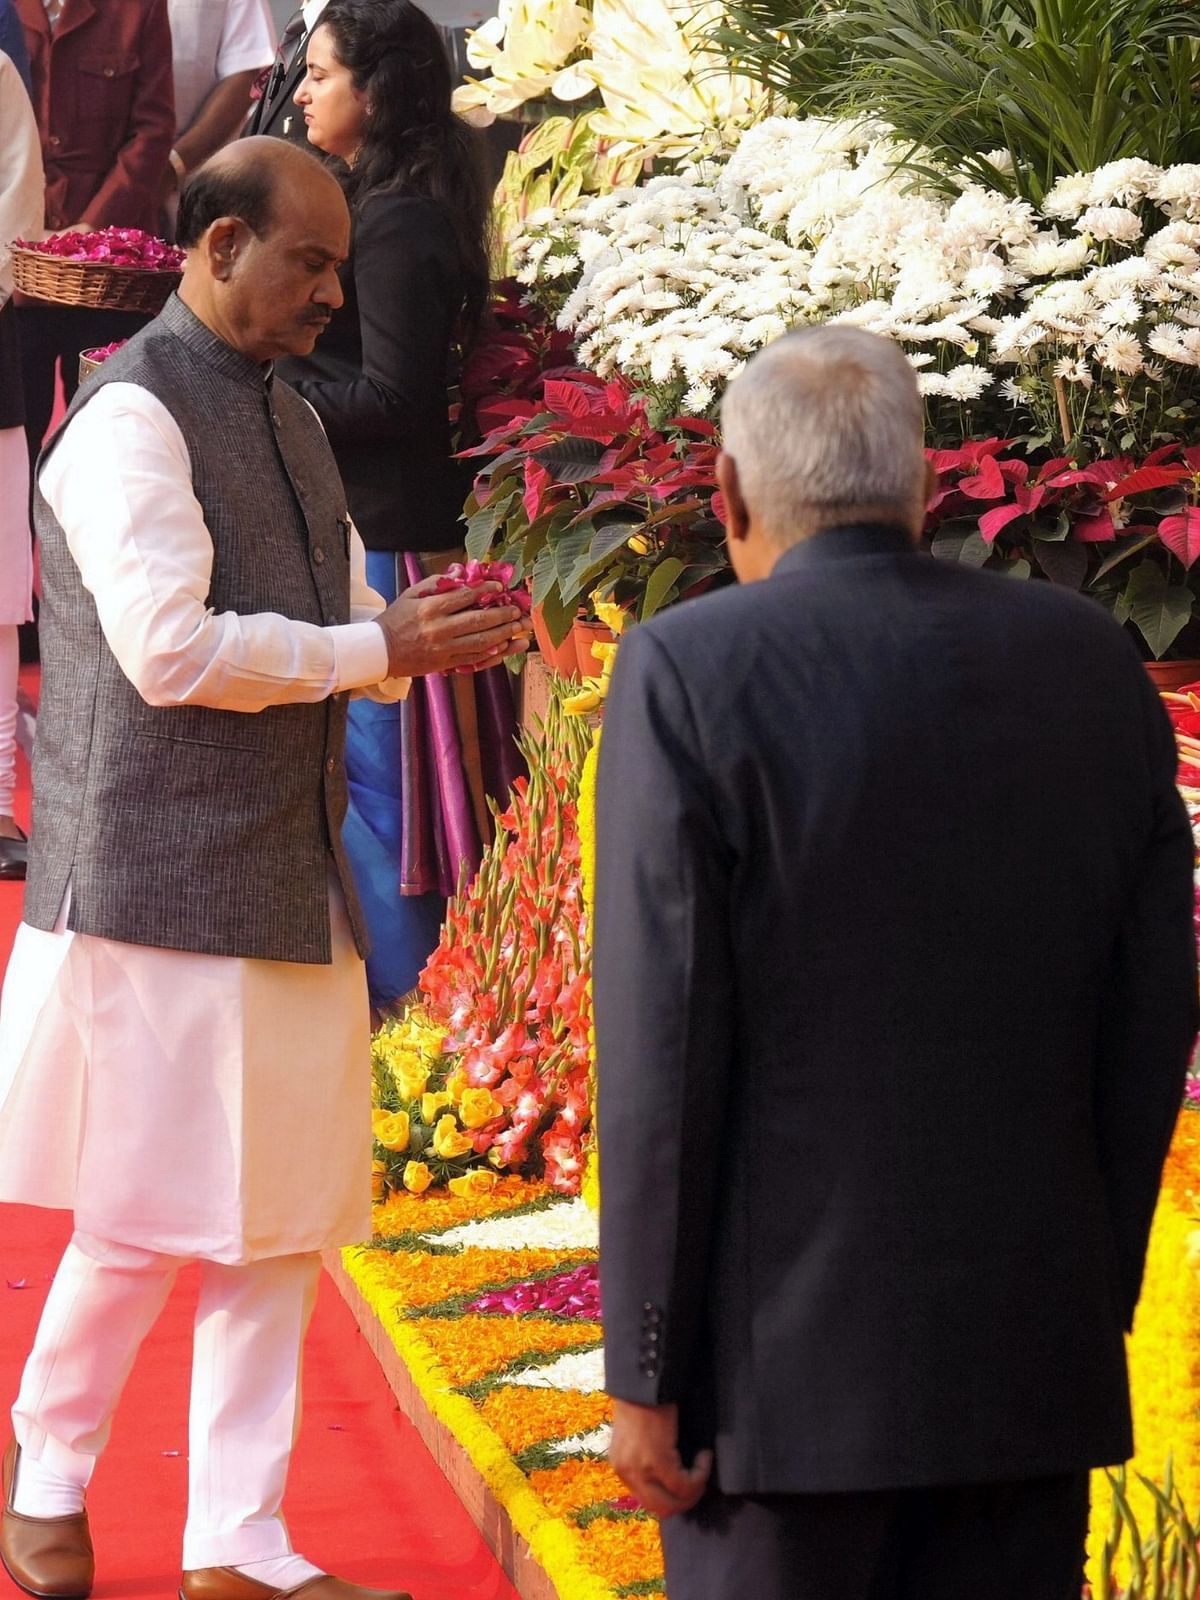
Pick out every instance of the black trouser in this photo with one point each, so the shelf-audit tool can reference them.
(50, 333)
(1002, 1541)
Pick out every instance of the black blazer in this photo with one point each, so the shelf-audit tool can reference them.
(378, 377)
(895, 984)
(276, 113)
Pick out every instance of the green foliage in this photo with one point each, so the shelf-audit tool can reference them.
(1162, 1558)
(1059, 86)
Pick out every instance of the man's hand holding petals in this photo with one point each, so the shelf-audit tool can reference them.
(444, 632)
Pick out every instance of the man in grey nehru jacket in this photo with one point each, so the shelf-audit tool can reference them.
(184, 1054)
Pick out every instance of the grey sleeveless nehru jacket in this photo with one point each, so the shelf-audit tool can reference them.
(185, 827)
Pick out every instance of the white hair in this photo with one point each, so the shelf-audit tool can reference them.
(825, 425)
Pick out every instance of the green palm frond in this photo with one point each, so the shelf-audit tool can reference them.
(1060, 85)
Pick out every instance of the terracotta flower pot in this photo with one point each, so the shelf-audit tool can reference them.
(561, 657)
(585, 635)
(1171, 676)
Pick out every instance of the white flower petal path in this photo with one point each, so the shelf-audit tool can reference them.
(569, 1226)
(584, 1370)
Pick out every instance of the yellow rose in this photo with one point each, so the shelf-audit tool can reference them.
(431, 1104)
(390, 1129)
(456, 1087)
(477, 1181)
(478, 1106)
(378, 1185)
(448, 1142)
(417, 1177)
(411, 1076)
(613, 617)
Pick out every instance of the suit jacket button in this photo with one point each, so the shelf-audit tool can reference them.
(318, 555)
(330, 764)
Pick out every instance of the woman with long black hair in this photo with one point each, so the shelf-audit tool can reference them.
(376, 98)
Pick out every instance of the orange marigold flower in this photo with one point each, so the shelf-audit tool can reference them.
(521, 1417)
(578, 1482)
(474, 1346)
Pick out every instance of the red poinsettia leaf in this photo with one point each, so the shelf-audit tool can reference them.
(718, 508)
(1144, 478)
(987, 484)
(1094, 527)
(1181, 534)
(567, 398)
(700, 425)
(993, 521)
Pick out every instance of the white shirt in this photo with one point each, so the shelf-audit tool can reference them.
(120, 484)
(22, 185)
(211, 40)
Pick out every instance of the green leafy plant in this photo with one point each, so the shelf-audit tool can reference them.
(1163, 1560)
(582, 495)
(1015, 93)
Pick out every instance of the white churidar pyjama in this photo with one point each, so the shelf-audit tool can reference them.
(245, 1407)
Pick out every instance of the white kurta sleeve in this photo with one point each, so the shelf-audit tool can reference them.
(22, 185)
(247, 38)
(120, 484)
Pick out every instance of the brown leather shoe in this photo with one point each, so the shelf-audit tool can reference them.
(50, 1557)
(227, 1583)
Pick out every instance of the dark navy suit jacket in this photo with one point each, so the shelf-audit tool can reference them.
(895, 986)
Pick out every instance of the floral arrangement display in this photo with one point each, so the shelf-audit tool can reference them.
(580, 494)
(1128, 530)
(1135, 1548)
(491, 1302)
(113, 247)
(490, 1072)
(1075, 322)
(649, 63)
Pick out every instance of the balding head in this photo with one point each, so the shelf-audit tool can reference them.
(265, 226)
(825, 428)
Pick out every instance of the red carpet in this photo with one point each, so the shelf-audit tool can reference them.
(365, 1498)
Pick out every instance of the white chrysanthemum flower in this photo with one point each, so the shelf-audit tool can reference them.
(1120, 352)
(1068, 197)
(987, 278)
(560, 266)
(1123, 183)
(697, 399)
(1122, 311)
(918, 359)
(1176, 245)
(1012, 392)
(1046, 255)
(1110, 224)
(1072, 371)
(932, 385)
(1177, 191)
(967, 382)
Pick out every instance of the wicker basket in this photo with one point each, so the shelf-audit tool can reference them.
(91, 283)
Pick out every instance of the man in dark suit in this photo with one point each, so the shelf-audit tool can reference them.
(275, 112)
(895, 987)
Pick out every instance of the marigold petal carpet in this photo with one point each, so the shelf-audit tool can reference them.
(365, 1499)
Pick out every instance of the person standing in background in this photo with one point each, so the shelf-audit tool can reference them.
(376, 98)
(12, 42)
(220, 47)
(105, 108)
(22, 197)
(275, 111)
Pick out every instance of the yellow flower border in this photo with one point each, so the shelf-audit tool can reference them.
(569, 1553)
(1164, 1353)
(585, 821)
